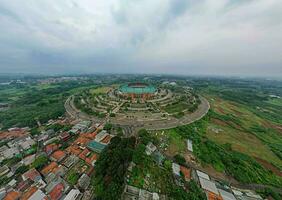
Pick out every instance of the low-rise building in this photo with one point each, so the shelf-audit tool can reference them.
(70, 161)
(28, 159)
(176, 169)
(32, 174)
(84, 181)
(58, 156)
(150, 148)
(4, 170)
(74, 194)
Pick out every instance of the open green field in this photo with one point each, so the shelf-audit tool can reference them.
(100, 90)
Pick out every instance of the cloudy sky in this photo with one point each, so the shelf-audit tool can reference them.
(217, 37)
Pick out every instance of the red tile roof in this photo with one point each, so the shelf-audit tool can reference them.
(49, 168)
(58, 155)
(186, 172)
(106, 139)
(212, 196)
(13, 195)
(50, 148)
(57, 192)
(31, 174)
(29, 193)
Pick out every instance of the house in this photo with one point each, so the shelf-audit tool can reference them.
(50, 148)
(190, 145)
(38, 195)
(202, 175)
(4, 170)
(12, 183)
(131, 192)
(28, 159)
(70, 161)
(10, 153)
(32, 174)
(96, 146)
(58, 156)
(209, 186)
(100, 136)
(74, 194)
(158, 157)
(24, 185)
(57, 192)
(226, 195)
(12, 195)
(56, 189)
(27, 144)
(186, 173)
(64, 136)
(84, 181)
(176, 169)
(106, 140)
(49, 168)
(150, 148)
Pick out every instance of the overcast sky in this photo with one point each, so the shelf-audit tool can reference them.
(217, 37)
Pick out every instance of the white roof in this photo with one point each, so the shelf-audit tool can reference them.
(38, 195)
(202, 175)
(176, 168)
(190, 145)
(226, 195)
(208, 185)
(72, 195)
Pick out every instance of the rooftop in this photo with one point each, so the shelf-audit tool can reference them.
(58, 155)
(96, 146)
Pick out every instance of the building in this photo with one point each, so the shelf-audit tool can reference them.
(70, 161)
(50, 148)
(186, 173)
(226, 195)
(190, 145)
(176, 169)
(202, 175)
(38, 195)
(137, 90)
(150, 148)
(135, 193)
(32, 175)
(27, 144)
(65, 136)
(158, 157)
(28, 159)
(74, 194)
(84, 181)
(96, 146)
(210, 188)
(12, 195)
(58, 156)
(4, 170)
(101, 135)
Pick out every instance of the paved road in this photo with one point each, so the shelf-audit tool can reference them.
(171, 122)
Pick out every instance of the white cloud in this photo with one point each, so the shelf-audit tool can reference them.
(166, 36)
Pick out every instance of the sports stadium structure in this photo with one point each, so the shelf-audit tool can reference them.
(139, 105)
(137, 90)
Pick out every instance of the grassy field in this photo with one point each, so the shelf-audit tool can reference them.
(240, 135)
(100, 90)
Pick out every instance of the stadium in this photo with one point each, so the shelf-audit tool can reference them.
(137, 90)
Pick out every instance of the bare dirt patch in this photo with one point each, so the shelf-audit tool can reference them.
(269, 166)
(219, 122)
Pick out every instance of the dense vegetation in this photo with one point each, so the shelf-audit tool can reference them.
(31, 104)
(242, 167)
(111, 168)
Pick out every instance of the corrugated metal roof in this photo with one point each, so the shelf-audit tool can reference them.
(208, 185)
